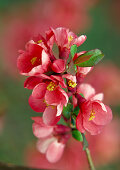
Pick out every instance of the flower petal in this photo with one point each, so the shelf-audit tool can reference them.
(56, 97)
(39, 91)
(41, 131)
(103, 113)
(91, 127)
(79, 123)
(87, 90)
(50, 115)
(38, 105)
(98, 96)
(80, 40)
(43, 144)
(31, 82)
(55, 151)
(61, 36)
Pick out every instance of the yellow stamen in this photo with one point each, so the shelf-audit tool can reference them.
(39, 41)
(45, 103)
(92, 115)
(72, 84)
(33, 60)
(51, 86)
(53, 107)
(70, 38)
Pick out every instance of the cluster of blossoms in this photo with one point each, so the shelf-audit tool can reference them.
(56, 79)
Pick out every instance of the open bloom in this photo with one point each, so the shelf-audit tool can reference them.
(47, 96)
(47, 87)
(34, 60)
(93, 113)
(64, 40)
(52, 139)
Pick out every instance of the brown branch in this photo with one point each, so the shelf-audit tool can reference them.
(6, 166)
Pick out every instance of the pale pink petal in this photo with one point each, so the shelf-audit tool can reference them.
(49, 115)
(87, 90)
(103, 114)
(59, 109)
(39, 91)
(102, 105)
(91, 127)
(41, 131)
(55, 151)
(45, 58)
(38, 120)
(84, 70)
(98, 96)
(38, 105)
(43, 144)
(80, 40)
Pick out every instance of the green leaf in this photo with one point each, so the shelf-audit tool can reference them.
(89, 59)
(67, 111)
(82, 95)
(73, 50)
(76, 110)
(85, 143)
(77, 135)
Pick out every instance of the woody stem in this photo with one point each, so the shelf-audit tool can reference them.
(89, 158)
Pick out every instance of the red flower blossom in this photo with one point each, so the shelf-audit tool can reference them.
(34, 60)
(93, 113)
(64, 40)
(52, 139)
(47, 87)
(47, 96)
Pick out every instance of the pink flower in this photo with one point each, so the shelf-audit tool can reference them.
(52, 139)
(47, 96)
(49, 89)
(51, 113)
(93, 115)
(73, 158)
(64, 40)
(34, 60)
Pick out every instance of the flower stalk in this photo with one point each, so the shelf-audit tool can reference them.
(89, 158)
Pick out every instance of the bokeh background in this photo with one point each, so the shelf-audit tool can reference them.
(19, 21)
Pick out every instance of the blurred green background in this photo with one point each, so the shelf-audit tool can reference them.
(103, 32)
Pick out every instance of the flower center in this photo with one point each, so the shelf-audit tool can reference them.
(51, 86)
(39, 41)
(72, 84)
(92, 115)
(70, 38)
(33, 60)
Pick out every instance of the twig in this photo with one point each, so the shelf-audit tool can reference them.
(90, 162)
